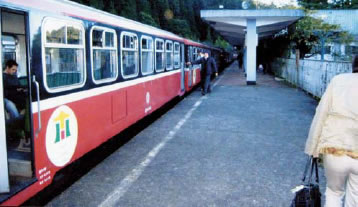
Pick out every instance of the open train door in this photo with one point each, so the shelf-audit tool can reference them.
(183, 64)
(190, 75)
(4, 169)
(16, 137)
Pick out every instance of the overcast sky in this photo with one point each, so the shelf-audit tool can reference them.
(279, 2)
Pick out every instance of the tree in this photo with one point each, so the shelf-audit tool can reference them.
(128, 9)
(181, 17)
(96, 4)
(345, 4)
(180, 27)
(329, 4)
(220, 42)
(146, 18)
(309, 32)
(314, 4)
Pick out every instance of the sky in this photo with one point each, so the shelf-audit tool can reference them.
(279, 2)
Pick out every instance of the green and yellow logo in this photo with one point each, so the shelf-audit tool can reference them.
(62, 126)
(61, 135)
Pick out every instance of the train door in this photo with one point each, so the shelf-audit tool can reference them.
(15, 104)
(190, 66)
(183, 64)
(4, 172)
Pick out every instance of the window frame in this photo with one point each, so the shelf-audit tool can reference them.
(104, 47)
(155, 54)
(129, 49)
(178, 53)
(146, 50)
(44, 45)
(190, 54)
(195, 53)
(171, 55)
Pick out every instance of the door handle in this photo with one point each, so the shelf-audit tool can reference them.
(38, 105)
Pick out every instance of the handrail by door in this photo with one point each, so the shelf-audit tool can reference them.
(38, 105)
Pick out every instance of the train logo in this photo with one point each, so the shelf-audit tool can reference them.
(62, 129)
(147, 98)
(61, 136)
(194, 76)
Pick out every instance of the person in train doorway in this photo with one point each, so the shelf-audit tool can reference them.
(208, 66)
(15, 99)
(13, 92)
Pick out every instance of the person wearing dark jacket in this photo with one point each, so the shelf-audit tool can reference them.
(208, 66)
(14, 94)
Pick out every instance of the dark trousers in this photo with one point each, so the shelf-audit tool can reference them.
(205, 84)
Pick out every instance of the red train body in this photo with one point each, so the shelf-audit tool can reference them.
(90, 76)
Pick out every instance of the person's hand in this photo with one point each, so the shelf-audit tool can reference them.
(188, 63)
(22, 90)
(216, 74)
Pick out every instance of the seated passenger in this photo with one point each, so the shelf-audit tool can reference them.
(13, 92)
(14, 98)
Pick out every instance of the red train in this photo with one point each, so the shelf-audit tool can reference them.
(89, 75)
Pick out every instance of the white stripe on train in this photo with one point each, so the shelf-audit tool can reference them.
(72, 97)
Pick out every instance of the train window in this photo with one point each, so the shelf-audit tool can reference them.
(176, 55)
(97, 36)
(129, 54)
(147, 55)
(103, 54)
(190, 54)
(64, 54)
(195, 53)
(159, 55)
(110, 37)
(74, 35)
(56, 34)
(169, 54)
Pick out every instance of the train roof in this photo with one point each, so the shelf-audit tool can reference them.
(73, 9)
(198, 44)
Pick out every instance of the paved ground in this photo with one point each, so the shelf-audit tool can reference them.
(238, 146)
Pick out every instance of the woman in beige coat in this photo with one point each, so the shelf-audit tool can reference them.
(334, 134)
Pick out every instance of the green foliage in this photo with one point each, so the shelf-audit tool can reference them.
(222, 44)
(147, 19)
(310, 31)
(329, 4)
(262, 5)
(180, 27)
(345, 4)
(96, 4)
(181, 17)
(314, 4)
(129, 9)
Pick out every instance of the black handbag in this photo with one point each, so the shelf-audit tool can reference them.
(308, 194)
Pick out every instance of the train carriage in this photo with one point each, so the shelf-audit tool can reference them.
(89, 75)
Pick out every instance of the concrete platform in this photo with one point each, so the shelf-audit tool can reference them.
(238, 146)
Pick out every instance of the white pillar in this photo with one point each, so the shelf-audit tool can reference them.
(244, 59)
(251, 44)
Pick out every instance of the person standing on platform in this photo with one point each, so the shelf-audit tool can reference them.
(208, 66)
(240, 58)
(334, 134)
(201, 55)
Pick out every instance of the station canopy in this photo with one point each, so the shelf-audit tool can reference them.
(231, 24)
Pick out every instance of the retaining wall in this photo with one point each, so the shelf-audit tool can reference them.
(311, 75)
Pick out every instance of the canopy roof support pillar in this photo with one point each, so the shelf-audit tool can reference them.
(251, 41)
